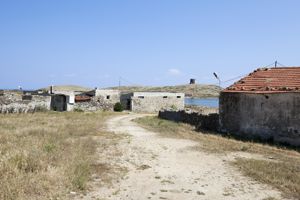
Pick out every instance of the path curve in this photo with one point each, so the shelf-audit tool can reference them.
(165, 168)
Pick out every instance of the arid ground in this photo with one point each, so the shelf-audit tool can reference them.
(160, 167)
(136, 156)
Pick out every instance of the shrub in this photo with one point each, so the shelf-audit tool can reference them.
(78, 110)
(118, 107)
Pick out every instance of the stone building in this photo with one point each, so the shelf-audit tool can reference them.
(264, 105)
(62, 101)
(150, 102)
(98, 99)
(18, 101)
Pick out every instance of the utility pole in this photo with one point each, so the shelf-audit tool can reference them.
(217, 78)
(119, 82)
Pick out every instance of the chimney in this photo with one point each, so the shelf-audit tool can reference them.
(51, 89)
(192, 81)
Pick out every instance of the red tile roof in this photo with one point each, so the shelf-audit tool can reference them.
(82, 98)
(269, 80)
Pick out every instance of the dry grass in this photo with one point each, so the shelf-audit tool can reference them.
(282, 171)
(47, 155)
(283, 175)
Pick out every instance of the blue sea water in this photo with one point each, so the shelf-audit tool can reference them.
(208, 102)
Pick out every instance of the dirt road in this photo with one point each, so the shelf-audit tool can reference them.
(163, 168)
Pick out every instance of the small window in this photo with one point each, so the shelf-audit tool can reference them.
(165, 97)
(108, 97)
(178, 97)
(27, 97)
(141, 97)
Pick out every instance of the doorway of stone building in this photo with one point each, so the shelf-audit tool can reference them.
(59, 103)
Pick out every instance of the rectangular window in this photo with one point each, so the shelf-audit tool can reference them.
(108, 97)
(27, 97)
(178, 97)
(165, 97)
(141, 97)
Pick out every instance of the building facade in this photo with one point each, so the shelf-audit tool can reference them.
(264, 105)
(150, 102)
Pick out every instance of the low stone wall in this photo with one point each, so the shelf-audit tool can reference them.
(200, 121)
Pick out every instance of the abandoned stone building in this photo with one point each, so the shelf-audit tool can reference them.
(98, 99)
(150, 102)
(264, 105)
(17, 101)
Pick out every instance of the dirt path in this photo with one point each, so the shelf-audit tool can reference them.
(163, 168)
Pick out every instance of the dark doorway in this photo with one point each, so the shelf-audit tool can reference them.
(59, 103)
(128, 104)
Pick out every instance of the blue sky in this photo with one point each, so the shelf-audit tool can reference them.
(158, 42)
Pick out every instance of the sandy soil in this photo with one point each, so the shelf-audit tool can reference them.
(164, 168)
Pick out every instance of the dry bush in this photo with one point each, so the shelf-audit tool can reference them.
(282, 172)
(47, 155)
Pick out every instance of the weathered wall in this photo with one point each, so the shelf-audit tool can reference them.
(12, 102)
(95, 104)
(200, 121)
(154, 102)
(273, 117)
(108, 96)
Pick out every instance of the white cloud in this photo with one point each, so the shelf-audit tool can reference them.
(174, 72)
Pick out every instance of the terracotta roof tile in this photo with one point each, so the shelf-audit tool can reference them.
(269, 80)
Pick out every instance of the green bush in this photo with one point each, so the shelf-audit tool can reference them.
(78, 110)
(118, 107)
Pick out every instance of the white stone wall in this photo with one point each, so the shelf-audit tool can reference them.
(150, 102)
(108, 96)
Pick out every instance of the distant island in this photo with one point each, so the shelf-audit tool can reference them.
(193, 90)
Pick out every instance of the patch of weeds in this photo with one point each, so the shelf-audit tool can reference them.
(78, 110)
(80, 175)
(27, 163)
(285, 176)
(49, 147)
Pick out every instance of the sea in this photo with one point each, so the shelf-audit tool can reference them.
(207, 102)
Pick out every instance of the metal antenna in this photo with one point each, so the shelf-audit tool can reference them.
(275, 63)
